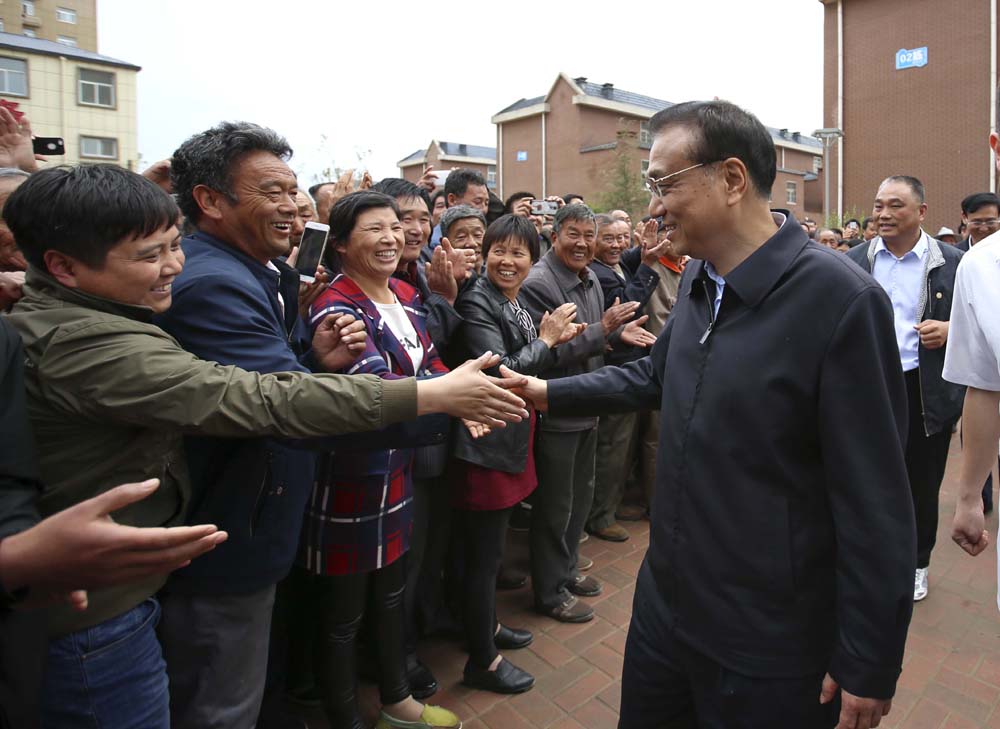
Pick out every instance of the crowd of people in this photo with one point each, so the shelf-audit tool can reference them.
(317, 474)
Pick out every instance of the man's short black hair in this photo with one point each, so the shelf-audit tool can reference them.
(723, 130)
(398, 188)
(866, 222)
(509, 205)
(512, 226)
(911, 182)
(979, 200)
(569, 197)
(344, 216)
(208, 158)
(85, 211)
(457, 182)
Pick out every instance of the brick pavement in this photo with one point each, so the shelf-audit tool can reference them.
(951, 672)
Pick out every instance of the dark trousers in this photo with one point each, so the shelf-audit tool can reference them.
(343, 600)
(667, 684)
(565, 466)
(926, 457)
(426, 560)
(616, 448)
(216, 649)
(23, 649)
(483, 539)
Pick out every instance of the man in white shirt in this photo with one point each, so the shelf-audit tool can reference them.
(918, 274)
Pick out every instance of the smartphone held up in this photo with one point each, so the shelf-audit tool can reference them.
(311, 249)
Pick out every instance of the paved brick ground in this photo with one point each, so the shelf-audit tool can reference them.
(951, 673)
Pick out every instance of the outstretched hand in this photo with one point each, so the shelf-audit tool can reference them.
(635, 336)
(83, 548)
(534, 390)
(466, 392)
(16, 149)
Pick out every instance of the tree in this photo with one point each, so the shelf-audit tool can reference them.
(623, 188)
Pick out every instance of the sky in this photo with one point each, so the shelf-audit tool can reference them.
(364, 83)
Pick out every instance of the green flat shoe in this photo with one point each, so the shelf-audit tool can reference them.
(432, 717)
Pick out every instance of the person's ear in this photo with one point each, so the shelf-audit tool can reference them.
(209, 201)
(451, 199)
(737, 180)
(62, 268)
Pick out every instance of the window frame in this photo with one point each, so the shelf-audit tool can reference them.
(28, 9)
(28, 33)
(68, 11)
(645, 137)
(83, 155)
(791, 193)
(67, 40)
(79, 88)
(27, 80)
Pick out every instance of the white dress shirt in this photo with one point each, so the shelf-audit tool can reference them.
(903, 278)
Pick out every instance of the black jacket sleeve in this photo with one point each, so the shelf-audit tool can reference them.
(630, 388)
(482, 333)
(19, 484)
(874, 587)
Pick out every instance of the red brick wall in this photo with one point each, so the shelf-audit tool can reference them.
(930, 122)
(521, 135)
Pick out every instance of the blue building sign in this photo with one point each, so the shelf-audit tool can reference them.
(913, 58)
(522, 155)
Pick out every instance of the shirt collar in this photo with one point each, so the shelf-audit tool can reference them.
(567, 279)
(919, 250)
(753, 279)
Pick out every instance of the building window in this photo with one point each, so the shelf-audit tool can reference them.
(1, 25)
(28, 8)
(791, 192)
(491, 175)
(99, 147)
(66, 15)
(97, 88)
(644, 135)
(28, 33)
(66, 40)
(817, 163)
(645, 168)
(13, 76)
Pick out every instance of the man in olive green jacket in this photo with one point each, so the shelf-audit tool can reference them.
(110, 396)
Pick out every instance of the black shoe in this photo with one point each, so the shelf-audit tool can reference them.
(507, 679)
(510, 579)
(422, 681)
(512, 638)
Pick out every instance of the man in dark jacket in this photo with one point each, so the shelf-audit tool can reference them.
(918, 274)
(778, 575)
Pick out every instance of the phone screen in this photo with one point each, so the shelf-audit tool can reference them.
(311, 249)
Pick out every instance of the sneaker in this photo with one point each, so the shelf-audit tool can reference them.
(571, 611)
(920, 584)
(584, 586)
(432, 717)
(614, 533)
(584, 537)
(584, 563)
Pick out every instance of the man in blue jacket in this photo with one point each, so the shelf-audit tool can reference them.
(235, 303)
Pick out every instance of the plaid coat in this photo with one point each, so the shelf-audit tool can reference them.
(361, 509)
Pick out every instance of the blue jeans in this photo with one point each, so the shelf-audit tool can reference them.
(110, 676)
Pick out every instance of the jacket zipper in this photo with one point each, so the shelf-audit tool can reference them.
(711, 313)
(258, 505)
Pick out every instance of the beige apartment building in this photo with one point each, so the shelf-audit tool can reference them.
(87, 99)
(69, 22)
(567, 142)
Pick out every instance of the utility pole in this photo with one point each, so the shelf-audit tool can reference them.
(827, 135)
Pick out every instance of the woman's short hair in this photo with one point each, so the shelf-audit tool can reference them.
(512, 226)
(344, 216)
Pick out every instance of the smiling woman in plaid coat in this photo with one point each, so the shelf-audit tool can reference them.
(357, 526)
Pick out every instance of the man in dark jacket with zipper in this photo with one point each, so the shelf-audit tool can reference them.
(918, 274)
(777, 584)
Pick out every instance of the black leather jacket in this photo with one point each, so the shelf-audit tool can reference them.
(941, 400)
(489, 324)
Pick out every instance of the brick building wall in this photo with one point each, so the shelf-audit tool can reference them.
(931, 122)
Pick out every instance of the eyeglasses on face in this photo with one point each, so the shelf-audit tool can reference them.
(655, 187)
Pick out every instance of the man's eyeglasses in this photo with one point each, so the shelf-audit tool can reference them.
(988, 223)
(654, 186)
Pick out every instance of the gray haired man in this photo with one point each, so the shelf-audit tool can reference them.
(564, 458)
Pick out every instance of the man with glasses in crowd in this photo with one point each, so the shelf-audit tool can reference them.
(981, 215)
(777, 585)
